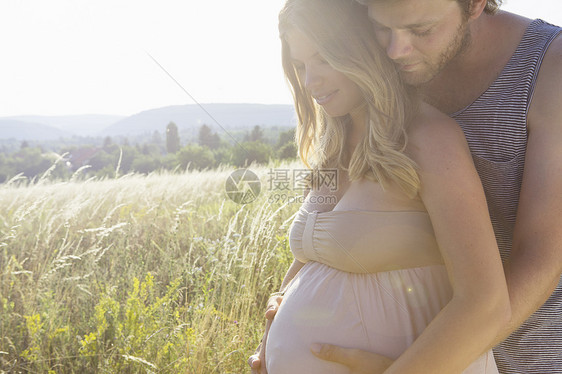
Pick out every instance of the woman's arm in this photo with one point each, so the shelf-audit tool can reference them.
(479, 309)
(293, 270)
(454, 198)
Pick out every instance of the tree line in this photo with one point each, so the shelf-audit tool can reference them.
(109, 159)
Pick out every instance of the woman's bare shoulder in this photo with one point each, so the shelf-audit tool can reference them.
(433, 129)
(434, 137)
(430, 122)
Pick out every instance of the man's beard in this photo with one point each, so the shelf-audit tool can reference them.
(454, 51)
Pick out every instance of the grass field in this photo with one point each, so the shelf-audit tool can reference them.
(140, 274)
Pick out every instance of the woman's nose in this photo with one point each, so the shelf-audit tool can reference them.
(312, 78)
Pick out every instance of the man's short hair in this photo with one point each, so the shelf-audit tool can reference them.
(492, 6)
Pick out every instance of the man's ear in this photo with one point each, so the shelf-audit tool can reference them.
(476, 8)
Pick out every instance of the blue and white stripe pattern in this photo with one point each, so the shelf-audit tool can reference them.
(496, 129)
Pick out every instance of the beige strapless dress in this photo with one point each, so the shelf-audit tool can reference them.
(372, 280)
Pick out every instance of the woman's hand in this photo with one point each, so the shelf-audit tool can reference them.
(257, 360)
(360, 362)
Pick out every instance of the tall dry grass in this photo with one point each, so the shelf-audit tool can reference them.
(158, 274)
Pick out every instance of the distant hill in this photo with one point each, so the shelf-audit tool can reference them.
(20, 130)
(82, 125)
(40, 128)
(216, 116)
(188, 118)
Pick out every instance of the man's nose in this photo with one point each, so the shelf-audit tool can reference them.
(398, 45)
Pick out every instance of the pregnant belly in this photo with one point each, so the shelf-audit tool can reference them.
(382, 312)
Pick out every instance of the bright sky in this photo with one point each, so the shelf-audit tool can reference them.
(62, 57)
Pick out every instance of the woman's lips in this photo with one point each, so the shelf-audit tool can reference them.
(321, 100)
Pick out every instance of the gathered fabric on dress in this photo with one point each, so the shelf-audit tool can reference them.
(372, 280)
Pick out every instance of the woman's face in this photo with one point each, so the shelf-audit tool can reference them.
(331, 89)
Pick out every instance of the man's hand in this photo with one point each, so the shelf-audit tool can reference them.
(360, 362)
(257, 360)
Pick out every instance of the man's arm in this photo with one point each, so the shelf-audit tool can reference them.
(535, 262)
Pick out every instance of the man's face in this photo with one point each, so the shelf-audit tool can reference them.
(421, 37)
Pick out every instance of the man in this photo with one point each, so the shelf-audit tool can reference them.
(500, 76)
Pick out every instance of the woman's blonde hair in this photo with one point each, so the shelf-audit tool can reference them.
(344, 37)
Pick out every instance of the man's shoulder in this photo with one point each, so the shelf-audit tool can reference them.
(545, 106)
(554, 52)
(551, 67)
(554, 48)
(506, 25)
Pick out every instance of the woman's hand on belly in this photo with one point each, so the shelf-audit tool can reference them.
(360, 362)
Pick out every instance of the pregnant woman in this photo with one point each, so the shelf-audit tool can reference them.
(402, 260)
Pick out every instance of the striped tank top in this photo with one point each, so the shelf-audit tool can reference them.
(495, 126)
